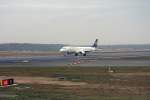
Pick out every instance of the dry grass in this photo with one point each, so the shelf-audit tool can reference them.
(42, 80)
(83, 83)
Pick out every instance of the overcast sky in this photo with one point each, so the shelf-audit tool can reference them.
(75, 21)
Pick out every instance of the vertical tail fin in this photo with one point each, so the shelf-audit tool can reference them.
(95, 43)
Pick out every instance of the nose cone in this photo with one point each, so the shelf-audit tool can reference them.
(61, 50)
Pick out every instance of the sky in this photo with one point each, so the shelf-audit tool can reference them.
(75, 21)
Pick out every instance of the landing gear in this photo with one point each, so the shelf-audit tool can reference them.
(76, 54)
(84, 54)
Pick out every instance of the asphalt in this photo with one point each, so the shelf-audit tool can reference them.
(121, 58)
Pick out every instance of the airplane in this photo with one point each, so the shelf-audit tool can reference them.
(79, 50)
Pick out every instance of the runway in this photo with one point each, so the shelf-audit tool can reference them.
(99, 58)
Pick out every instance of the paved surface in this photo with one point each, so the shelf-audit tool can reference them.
(101, 58)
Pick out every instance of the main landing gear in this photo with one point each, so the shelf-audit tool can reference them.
(76, 54)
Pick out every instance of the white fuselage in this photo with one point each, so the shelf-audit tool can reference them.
(79, 50)
(82, 50)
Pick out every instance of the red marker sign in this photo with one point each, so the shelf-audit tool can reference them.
(6, 82)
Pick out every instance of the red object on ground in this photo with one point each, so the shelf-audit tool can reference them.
(5, 82)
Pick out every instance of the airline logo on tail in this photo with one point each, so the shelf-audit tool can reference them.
(95, 43)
